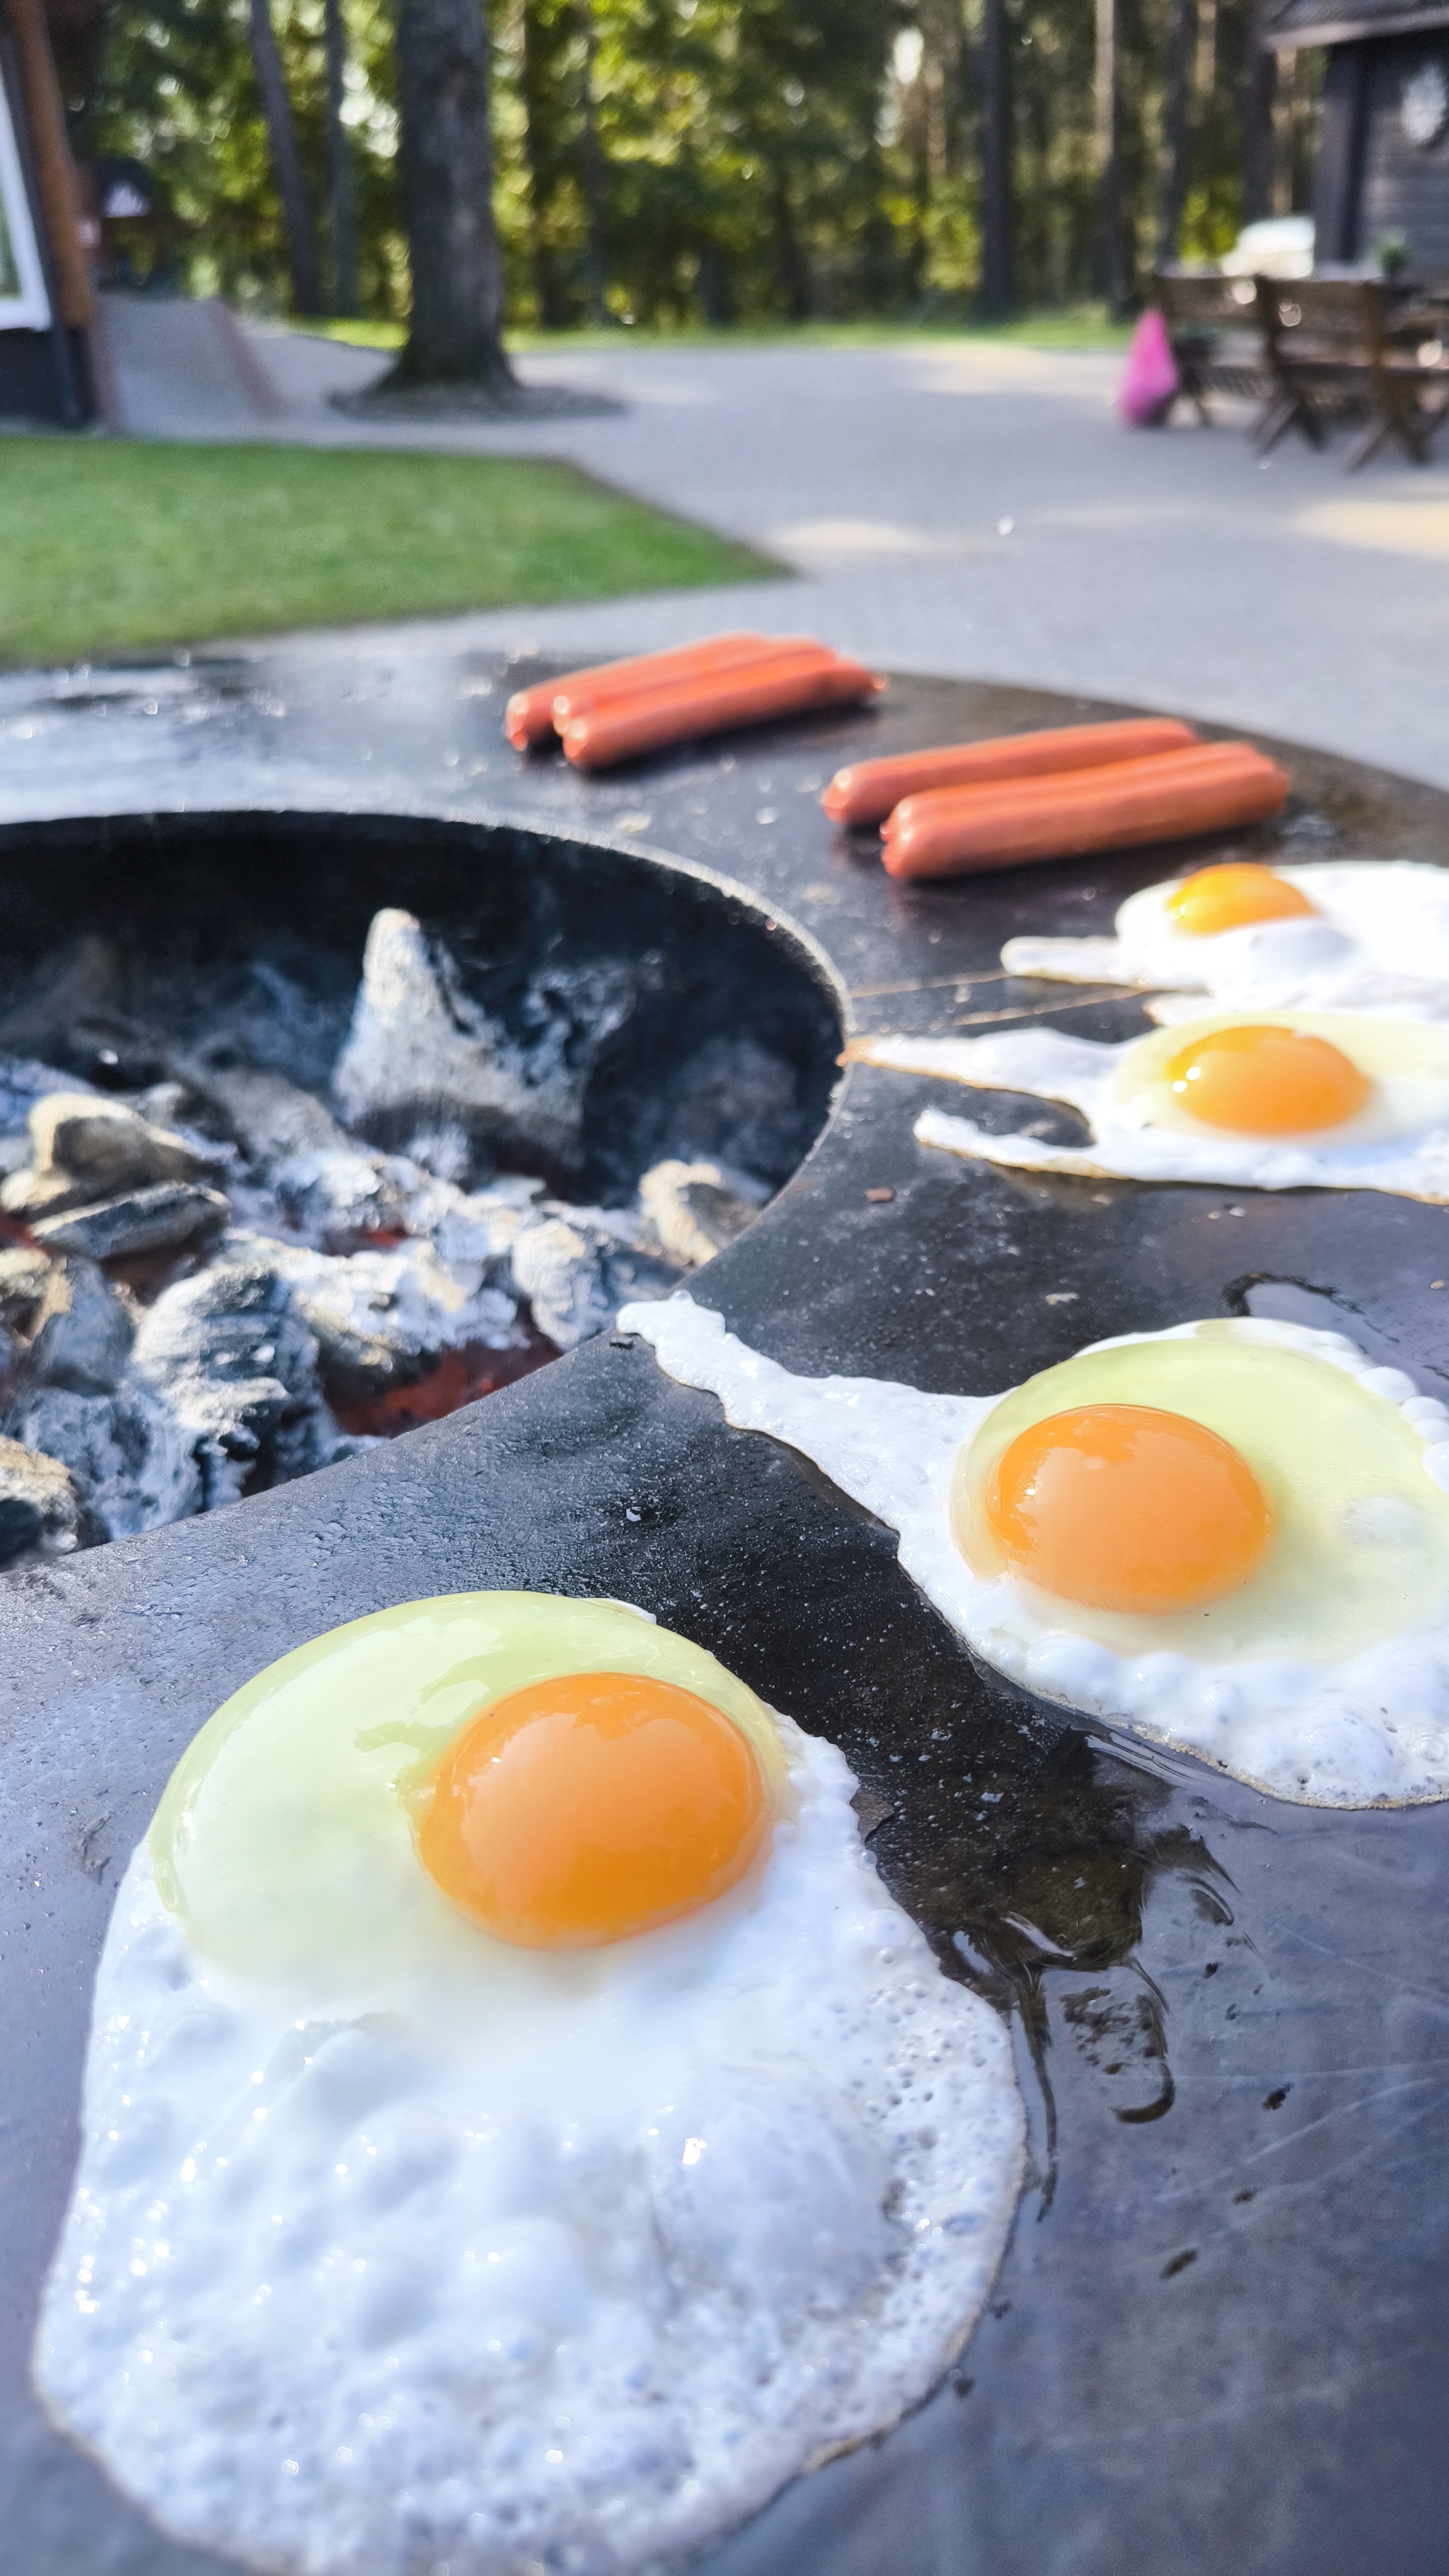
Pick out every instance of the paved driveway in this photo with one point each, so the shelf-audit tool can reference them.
(977, 510)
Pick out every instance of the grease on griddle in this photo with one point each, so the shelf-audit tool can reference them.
(1325, 1310)
(1029, 1854)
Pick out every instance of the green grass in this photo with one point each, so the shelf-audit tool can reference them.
(110, 545)
(358, 334)
(1074, 326)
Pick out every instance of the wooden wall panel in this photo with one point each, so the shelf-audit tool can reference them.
(1404, 189)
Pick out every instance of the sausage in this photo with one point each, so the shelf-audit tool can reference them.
(528, 716)
(1169, 796)
(580, 694)
(870, 789)
(623, 728)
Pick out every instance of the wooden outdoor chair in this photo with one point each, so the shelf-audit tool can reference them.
(1212, 327)
(1335, 352)
(1418, 333)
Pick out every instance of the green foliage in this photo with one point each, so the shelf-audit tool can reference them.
(684, 162)
(742, 174)
(176, 89)
(108, 546)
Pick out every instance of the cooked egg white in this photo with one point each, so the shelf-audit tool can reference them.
(395, 2245)
(1397, 1140)
(1324, 1678)
(1375, 937)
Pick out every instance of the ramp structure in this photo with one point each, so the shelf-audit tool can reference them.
(175, 367)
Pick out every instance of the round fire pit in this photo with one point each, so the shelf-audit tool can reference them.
(338, 1123)
(1217, 2342)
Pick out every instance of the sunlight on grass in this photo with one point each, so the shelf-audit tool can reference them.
(1073, 326)
(108, 545)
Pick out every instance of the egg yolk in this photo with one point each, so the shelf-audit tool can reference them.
(1267, 1082)
(1123, 1507)
(1231, 896)
(579, 1810)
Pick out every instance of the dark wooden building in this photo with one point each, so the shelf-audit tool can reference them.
(1383, 161)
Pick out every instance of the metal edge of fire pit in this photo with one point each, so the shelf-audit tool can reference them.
(1218, 2340)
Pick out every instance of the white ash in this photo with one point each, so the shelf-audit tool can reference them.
(695, 1209)
(164, 1104)
(159, 1219)
(578, 1266)
(40, 1510)
(562, 1274)
(231, 1359)
(479, 1228)
(81, 1329)
(124, 1463)
(270, 1117)
(98, 1146)
(24, 1277)
(378, 1319)
(330, 1190)
(445, 1149)
(335, 1199)
(126, 1454)
(421, 1052)
(23, 1082)
(325, 1265)
(103, 1180)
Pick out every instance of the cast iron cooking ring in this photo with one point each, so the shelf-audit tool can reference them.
(182, 893)
(1218, 2342)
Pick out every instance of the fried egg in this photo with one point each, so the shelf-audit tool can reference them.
(1308, 1100)
(1341, 934)
(520, 2131)
(1231, 1537)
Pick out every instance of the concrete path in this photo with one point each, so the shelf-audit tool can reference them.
(977, 510)
(174, 367)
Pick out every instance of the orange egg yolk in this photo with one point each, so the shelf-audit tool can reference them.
(1123, 1507)
(1267, 1082)
(1229, 897)
(579, 1810)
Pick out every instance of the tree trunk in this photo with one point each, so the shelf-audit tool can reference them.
(541, 158)
(445, 151)
(790, 264)
(712, 284)
(1260, 81)
(591, 171)
(1109, 159)
(286, 163)
(1181, 41)
(996, 162)
(341, 185)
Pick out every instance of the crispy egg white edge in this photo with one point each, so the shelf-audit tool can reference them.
(1358, 1753)
(1369, 904)
(1046, 1065)
(979, 2156)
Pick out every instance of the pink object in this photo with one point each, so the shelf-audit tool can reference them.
(1150, 383)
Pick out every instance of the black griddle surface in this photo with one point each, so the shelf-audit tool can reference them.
(1218, 2345)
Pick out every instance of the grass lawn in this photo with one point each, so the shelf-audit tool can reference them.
(1071, 326)
(109, 545)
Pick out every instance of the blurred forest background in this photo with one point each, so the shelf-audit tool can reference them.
(675, 163)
